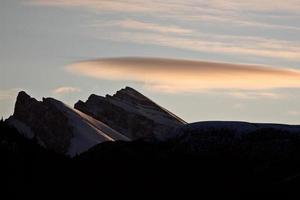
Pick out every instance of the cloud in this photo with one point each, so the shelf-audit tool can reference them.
(238, 106)
(9, 94)
(65, 90)
(178, 5)
(232, 11)
(189, 39)
(293, 113)
(179, 24)
(174, 75)
(144, 26)
(213, 43)
(254, 95)
(241, 22)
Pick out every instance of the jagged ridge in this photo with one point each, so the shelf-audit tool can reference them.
(58, 126)
(131, 113)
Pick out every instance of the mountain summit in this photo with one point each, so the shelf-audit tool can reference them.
(126, 115)
(219, 155)
(59, 127)
(131, 113)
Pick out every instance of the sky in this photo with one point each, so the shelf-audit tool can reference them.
(202, 60)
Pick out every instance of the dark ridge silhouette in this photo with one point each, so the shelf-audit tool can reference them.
(214, 162)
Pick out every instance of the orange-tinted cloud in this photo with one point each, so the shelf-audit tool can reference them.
(176, 75)
(65, 90)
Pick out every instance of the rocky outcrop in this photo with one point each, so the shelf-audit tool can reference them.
(131, 113)
(124, 116)
(49, 125)
(59, 127)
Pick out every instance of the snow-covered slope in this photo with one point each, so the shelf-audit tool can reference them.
(87, 132)
(131, 113)
(58, 126)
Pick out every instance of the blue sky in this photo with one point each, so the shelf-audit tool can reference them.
(60, 48)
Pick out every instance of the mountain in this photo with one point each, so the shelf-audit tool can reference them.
(206, 157)
(59, 127)
(199, 163)
(126, 115)
(261, 143)
(236, 128)
(48, 147)
(131, 113)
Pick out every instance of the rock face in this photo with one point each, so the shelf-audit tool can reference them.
(59, 127)
(131, 113)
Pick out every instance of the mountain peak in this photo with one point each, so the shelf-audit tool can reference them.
(129, 95)
(23, 93)
(129, 91)
(59, 127)
(22, 96)
(23, 103)
(131, 113)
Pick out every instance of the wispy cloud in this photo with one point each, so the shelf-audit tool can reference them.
(238, 106)
(184, 38)
(9, 94)
(177, 24)
(258, 5)
(65, 90)
(212, 43)
(143, 26)
(294, 113)
(214, 10)
(156, 5)
(255, 95)
(174, 75)
(140, 32)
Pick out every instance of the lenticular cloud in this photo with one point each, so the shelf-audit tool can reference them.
(187, 75)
